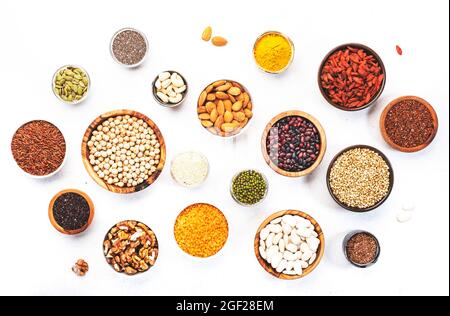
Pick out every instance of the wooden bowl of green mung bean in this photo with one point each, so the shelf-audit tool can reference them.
(71, 84)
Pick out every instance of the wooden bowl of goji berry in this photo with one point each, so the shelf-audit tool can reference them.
(352, 77)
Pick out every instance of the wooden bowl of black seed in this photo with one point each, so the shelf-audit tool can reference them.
(293, 144)
(360, 178)
(362, 249)
(71, 212)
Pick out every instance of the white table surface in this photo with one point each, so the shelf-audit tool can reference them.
(39, 36)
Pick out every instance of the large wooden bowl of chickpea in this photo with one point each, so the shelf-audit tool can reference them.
(123, 151)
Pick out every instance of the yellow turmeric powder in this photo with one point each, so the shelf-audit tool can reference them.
(273, 52)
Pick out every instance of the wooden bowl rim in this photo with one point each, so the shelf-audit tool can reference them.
(138, 222)
(320, 253)
(291, 43)
(239, 131)
(85, 153)
(224, 217)
(323, 142)
(169, 105)
(405, 149)
(57, 226)
(377, 95)
(391, 179)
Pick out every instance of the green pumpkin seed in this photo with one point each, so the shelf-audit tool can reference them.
(71, 84)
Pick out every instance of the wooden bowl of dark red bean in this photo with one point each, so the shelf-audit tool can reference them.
(352, 77)
(293, 144)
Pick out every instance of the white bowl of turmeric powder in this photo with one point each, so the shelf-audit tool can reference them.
(273, 52)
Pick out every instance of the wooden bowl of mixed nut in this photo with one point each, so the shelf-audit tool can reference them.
(123, 151)
(289, 244)
(225, 108)
(293, 144)
(130, 247)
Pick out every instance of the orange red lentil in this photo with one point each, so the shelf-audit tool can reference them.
(201, 230)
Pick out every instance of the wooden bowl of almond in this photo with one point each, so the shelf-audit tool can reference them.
(225, 108)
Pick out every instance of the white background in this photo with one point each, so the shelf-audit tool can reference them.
(37, 37)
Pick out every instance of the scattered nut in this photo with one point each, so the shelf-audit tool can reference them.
(80, 267)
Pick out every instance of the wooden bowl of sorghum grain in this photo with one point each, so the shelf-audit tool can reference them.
(352, 77)
(409, 124)
(293, 144)
(360, 178)
(123, 151)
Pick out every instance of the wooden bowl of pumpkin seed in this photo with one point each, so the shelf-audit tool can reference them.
(71, 84)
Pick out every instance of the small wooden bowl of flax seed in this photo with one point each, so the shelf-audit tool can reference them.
(362, 249)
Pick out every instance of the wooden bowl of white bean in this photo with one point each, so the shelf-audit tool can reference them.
(123, 151)
(308, 251)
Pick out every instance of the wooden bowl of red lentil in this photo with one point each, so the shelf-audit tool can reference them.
(381, 200)
(90, 169)
(366, 84)
(318, 155)
(320, 250)
(411, 128)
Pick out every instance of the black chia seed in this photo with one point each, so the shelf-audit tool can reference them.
(71, 211)
(129, 47)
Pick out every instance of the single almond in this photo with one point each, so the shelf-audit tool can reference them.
(209, 89)
(204, 116)
(207, 33)
(219, 83)
(213, 115)
(237, 106)
(239, 116)
(210, 106)
(234, 91)
(222, 95)
(201, 109)
(224, 87)
(219, 122)
(228, 105)
(219, 41)
(207, 124)
(228, 117)
(202, 98)
(246, 99)
(221, 107)
(211, 97)
(248, 113)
